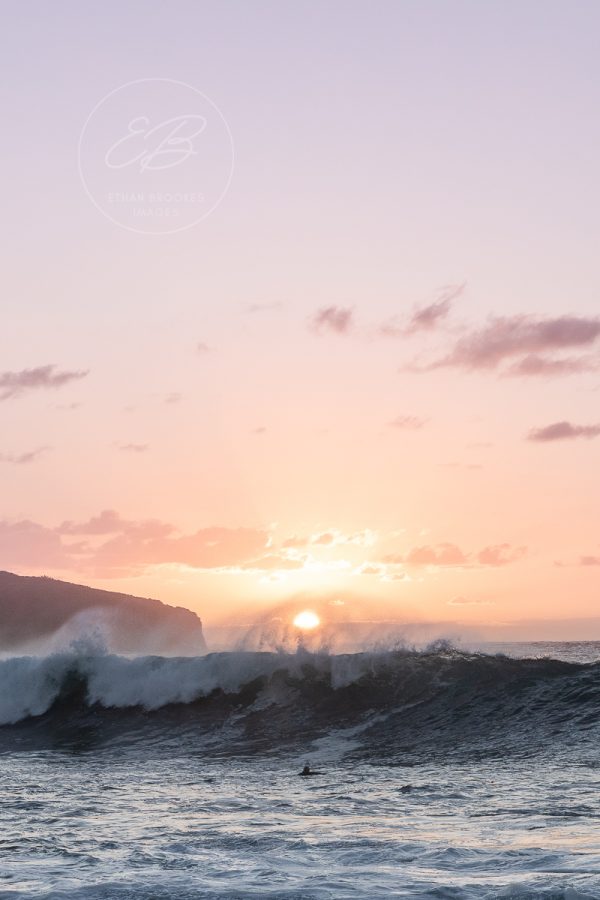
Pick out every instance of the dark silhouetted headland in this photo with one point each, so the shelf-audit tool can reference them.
(34, 609)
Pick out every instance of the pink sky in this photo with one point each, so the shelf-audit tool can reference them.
(369, 378)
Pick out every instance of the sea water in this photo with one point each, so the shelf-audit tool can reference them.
(444, 774)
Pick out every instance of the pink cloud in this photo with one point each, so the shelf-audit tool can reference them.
(561, 431)
(14, 384)
(500, 555)
(133, 448)
(589, 560)
(408, 423)
(295, 542)
(507, 337)
(208, 548)
(110, 522)
(325, 539)
(336, 319)
(425, 318)
(448, 555)
(130, 547)
(533, 365)
(23, 459)
(28, 544)
(464, 601)
(442, 555)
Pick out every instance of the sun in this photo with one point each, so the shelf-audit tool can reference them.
(307, 620)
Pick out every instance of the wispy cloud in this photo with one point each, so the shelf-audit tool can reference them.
(336, 319)
(506, 338)
(23, 459)
(424, 318)
(408, 423)
(133, 448)
(448, 555)
(466, 601)
(252, 308)
(109, 522)
(589, 560)
(563, 431)
(15, 384)
(500, 555)
(536, 365)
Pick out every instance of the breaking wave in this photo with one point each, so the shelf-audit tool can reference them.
(439, 700)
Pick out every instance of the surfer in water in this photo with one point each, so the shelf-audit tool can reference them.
(306, 771)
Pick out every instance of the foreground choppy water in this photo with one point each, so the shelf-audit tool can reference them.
(103, 826)
(164, 805)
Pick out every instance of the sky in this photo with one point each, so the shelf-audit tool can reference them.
(355, 363)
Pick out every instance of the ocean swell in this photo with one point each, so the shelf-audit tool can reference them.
(405, 701)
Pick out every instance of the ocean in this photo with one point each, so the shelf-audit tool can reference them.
(444, 773)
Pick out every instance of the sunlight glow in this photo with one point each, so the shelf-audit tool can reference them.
(307, 620)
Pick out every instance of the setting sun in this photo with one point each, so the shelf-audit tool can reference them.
(307, 620)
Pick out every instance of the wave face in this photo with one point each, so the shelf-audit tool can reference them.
(390, 704)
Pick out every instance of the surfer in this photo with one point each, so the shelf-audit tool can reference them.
(306, 771)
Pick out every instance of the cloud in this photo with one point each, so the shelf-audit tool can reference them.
(425, 318)
(408, 423)
(464, 601)
(335, 538)
(295, 542)
(23, 459)
(207, 548)
(109, 521)
(325, 539)
(371, 569)
(28, 544)
(533, 365)
(15, 384)
(253, 308)
(133, 448)
(589, 560)
(562, 431)
(442, 555)
(447, 555)
(336, 319)
(113, 546)
(504, 338)
(500, 555)
(272, 563)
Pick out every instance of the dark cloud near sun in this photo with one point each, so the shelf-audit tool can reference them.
(15, 384)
